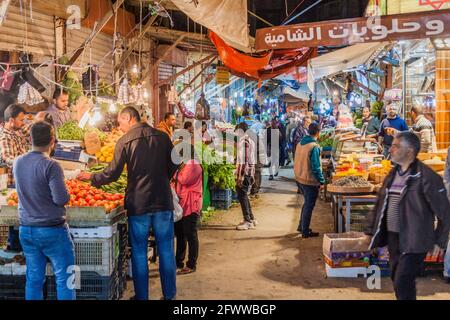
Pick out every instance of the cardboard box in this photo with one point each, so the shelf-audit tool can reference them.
(347, 263)
(345, 272)
(345, 242)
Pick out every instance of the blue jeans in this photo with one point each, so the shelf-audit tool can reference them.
(163, 227)
(54, 243)
(310, 193)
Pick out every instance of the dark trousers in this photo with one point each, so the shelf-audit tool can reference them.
(187, 235)
(242, 193)
(404, 269)
(310, 193)
(258, 178)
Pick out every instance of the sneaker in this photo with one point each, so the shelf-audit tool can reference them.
(245, 225)
(276, 174)
(255, 222)
(311, 234)
(271, 177)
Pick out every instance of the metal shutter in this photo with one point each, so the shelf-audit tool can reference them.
(99, 52)
(19, 33)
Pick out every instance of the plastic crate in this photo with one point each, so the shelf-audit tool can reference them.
(4, 231)
(221, 195)
(95, 255)
(98, 232)
(12, 287)
(222, 205)
(68, 154)
(234, 196)
(92, 287)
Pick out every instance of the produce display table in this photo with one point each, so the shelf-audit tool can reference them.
(80, 217)
(340, 199)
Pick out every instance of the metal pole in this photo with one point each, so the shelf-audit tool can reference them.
(298, 15)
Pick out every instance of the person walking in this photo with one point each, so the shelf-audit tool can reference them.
(300, 132)
(389, 126)
(411, 199)
(168, 124)
(43, 231)
(423, 129)
(245, 174)
(309, 175)
(149, 203)
(188, 184)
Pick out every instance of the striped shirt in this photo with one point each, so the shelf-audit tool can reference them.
(393, 209)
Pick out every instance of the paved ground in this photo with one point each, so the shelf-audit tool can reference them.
(273, 262)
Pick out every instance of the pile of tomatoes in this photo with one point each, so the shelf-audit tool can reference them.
(84, 195)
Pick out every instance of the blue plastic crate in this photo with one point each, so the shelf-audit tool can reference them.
(234, 196)
(222, 205)
(12, 287)
(93, 287)
(221, 195)
(67, 155)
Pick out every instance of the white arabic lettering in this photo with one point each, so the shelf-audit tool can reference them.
(273, 40)
(319, 33)
(409, 27)
(436, 27)
(380, 32)
(355, 30)
(344, 34)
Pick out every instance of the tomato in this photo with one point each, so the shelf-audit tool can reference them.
(92, 202)
(98, 197)
(89, 198)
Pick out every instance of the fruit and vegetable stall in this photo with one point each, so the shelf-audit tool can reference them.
(356, 171)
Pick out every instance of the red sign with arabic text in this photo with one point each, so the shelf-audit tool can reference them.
(358, 30)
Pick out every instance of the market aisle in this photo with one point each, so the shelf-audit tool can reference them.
(273, 261)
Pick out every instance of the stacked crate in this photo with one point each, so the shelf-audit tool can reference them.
(123, 256)
(221, 199)
(97, 255)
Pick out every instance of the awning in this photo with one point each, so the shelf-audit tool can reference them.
(335, 62)
(294, 97)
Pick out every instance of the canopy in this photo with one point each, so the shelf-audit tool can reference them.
(294, 97)
(229, 19)
(261, 67)
(342, 59)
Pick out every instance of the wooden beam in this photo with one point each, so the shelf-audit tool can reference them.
(365, 88)
(95, 32)
(135, 41)
(169, 80)
(158, 32)
(198, 75)
(168, 51)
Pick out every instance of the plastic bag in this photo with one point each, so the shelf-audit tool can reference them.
(177, 209)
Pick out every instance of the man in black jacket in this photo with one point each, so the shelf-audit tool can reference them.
(413, 196)
(147, 154)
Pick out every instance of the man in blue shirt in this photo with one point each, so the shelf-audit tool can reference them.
(389, 126)
(43, 230)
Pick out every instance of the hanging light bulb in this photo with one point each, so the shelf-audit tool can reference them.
(135, 69)
(145, 94)
(235, 94)
(241, 94)
(112, 107)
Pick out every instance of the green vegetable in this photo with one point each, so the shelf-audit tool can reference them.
(119, 186)
(70, 131)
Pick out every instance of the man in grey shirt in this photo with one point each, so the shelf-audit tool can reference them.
(43, 230)
(59, 109)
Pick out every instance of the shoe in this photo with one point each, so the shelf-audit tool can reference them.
(185, 270)
(255, 222)
(180, 265)
(311, 234)
(276, 174)
(271, 177)
(245, 225)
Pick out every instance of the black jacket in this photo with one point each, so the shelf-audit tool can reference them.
(147, 154)
(423, 200)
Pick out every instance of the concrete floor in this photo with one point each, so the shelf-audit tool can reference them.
(273, 261)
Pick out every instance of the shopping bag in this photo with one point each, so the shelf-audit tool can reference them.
(177, 209)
